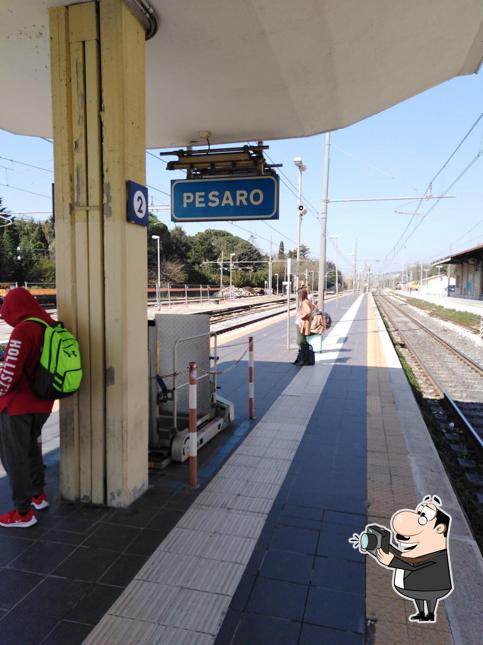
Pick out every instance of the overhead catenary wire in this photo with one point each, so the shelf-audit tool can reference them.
(279, 232)
(453, 183)
(24, 163)
(364, 161)
(158, 157)
(294, 190)
(163, 192)
(24, 190)
(338, 251)
(407, 234)
(458, 239)
(250, 232)
(470, 230)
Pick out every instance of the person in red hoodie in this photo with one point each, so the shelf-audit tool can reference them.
(22, 413)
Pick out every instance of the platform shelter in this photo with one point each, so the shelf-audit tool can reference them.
(107, 79)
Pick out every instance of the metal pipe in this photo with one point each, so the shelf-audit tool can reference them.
(146, 15)
(192, 425)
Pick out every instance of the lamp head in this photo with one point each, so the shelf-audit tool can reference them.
(300, 164)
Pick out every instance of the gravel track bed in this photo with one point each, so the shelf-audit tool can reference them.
(462, 339)
(463, 384)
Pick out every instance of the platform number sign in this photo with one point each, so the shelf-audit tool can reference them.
(137, 203)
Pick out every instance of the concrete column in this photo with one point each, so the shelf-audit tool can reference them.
(97, 62)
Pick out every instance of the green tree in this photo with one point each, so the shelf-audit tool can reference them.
(180, 244)
(8, 261)
(46, 269)
(203, 248)
(5, 260)
(155, 227)
(173, 272)
(304, 252)
(281, 251)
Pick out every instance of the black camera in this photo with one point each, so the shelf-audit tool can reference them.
(375, 537)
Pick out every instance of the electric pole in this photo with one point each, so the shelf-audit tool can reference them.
(354, 284)
(270, 278)
(323, 222)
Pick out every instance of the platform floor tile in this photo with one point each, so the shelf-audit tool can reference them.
(243, 487)
(116, 630)
(226, 548)
(222, 521)
(172, 606)
(220, 543)
(193, 573)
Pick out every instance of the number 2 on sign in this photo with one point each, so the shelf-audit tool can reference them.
(140, 204)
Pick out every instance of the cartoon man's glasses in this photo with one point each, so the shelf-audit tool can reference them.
(426, 514)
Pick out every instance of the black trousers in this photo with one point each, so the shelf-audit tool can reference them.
(21, 456)
(431, 598)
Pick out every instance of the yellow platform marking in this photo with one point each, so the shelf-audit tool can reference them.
(389, 487)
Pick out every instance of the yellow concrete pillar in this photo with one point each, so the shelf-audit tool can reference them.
(97, 63)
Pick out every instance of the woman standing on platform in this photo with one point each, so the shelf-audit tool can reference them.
(303, 321)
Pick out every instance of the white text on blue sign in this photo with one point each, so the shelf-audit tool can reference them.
(225, 199)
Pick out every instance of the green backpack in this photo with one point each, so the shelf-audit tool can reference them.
(59, 373)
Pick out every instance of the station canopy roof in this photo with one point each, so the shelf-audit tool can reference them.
(259, 69)
(468, 255)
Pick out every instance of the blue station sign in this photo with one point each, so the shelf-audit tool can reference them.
(227, 198)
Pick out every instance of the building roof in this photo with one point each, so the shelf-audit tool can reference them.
(259, 69)
(473, 253)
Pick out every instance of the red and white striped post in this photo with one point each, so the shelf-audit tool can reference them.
(251, 379)
(192, 426)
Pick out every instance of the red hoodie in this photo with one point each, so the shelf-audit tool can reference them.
(22, 354)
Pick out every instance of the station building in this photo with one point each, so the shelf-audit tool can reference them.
(467, 269)
(437, 285)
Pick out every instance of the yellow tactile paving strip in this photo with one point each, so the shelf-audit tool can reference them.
(390, 486)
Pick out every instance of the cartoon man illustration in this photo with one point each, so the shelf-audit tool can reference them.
(422, 565)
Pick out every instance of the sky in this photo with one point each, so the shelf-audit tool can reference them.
(392, 154)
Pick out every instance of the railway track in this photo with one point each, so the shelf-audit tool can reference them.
(450, 393)
(242, 315)
(227, 320)
(453, 375)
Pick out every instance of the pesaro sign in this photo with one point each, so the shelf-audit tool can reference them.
(225, 198)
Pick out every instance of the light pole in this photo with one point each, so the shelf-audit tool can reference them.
(312, 279)
(221, 272)
(323, 222)
(277, 282)
(354, 277)
(158, 284)
(232, 255)
(300, 210)
(270, 277)
(334, 237)
(426, 271)
(19, 257)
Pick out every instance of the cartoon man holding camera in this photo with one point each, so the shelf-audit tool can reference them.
(422, 568)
